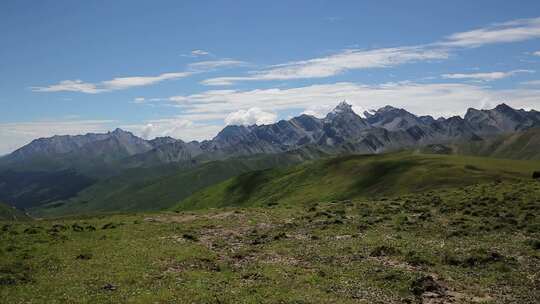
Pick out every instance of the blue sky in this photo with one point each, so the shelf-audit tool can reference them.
(187, 68)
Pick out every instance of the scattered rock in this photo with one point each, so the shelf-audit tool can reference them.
(384, 251)
(84, 256)
(109, 287)
(109, 226)
(32, 230)
(90, 228)
(77, 228)
(59, 227)
(535, 244)
(280, 236)
(6, 227)
(426, 286)
(190, 237)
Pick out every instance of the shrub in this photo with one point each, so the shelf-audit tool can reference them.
(384, 251)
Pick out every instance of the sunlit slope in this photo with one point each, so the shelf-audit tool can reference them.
(133, 192)
(357, 176)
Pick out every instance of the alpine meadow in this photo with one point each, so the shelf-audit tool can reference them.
(269, 152)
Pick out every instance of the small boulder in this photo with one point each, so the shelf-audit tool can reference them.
(536, 175)
(109, 226)
(426, 285)
(84, 256)
(59, 227)
(77, 228)
(384, 250)
(190, 237)
(109, 287)
(32, 230)
(90, 228)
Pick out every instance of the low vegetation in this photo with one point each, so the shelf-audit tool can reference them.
(9, 213)
(156, 188)
(357, 176)
(474, 244)
(517, 145)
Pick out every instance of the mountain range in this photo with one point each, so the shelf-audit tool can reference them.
(78, 162)
(381, 130)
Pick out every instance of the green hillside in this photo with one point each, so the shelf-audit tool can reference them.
(356, 176)
(147, 189)
(8, 213)
(519, 145)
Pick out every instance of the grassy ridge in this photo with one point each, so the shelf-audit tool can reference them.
(520, 145)
(8, 213)
(150, 189)
(356, 176)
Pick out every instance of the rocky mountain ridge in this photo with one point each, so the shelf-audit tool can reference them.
(385, 129)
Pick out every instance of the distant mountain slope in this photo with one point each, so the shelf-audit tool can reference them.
(501, 119)
(9, 213)
(91, 154)
(356, 176)
(519, 145)
(146, 189)
(27, 189)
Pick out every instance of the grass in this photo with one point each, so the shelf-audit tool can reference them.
(470, 244)
(517, 145)
(157, 188)
(9, 213)
(356, 176)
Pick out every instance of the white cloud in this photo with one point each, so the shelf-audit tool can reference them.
(119, 83)
(16, 134)
(225, 81)
(490, 76)
(354, 59)
(537, 53)
(204, 113)
(531, 83)
(319, 111)
(214, 64)
(439, 99)
(137, 81)
(139, 100)
(122, 83)
(512, 31)
(252, 116)
(176, 127)
(200, 53)
(70, 86)
(337, 64)
(196, 53)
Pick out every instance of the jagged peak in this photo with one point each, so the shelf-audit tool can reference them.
(232, 130)
(387, 108)
(503, 107)
(473, 110)
(342, 107)
(119, 131)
